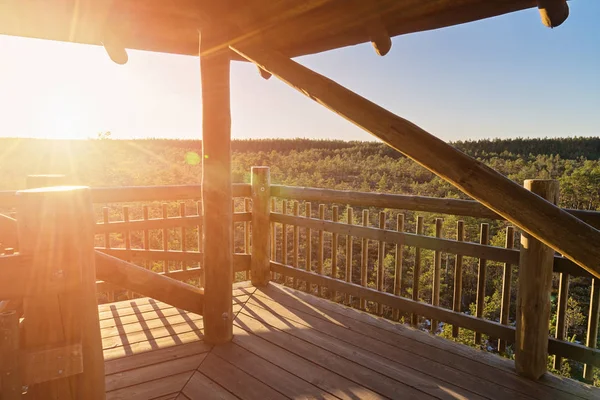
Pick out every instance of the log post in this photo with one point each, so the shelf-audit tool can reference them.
(261, 243)
(533, 299)
(216, 194)
(56, 229)
(10, 378)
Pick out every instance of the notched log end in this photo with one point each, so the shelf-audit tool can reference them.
(553, 13)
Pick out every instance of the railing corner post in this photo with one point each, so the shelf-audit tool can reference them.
(261, 246)
(533, 300)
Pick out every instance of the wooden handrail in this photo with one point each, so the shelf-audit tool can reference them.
(137, 279)
(470, 208)
(128, 194)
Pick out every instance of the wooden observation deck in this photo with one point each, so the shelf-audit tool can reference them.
(288, 344)
(63, 255)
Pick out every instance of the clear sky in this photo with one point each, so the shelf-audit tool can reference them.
(503, 77)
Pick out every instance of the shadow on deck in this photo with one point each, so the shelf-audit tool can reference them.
(289, 344)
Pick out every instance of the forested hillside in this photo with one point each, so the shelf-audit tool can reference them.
(361, 166)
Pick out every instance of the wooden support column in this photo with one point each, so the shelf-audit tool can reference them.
(216, 194)
(261, 243)
(540, 218)
(533, 299)
(56, 229)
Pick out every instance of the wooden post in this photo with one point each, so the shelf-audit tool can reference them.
(216, 194)
(458, 264)
(592, 330)
(506, 281)
(56, 229)
(261, 239)
(533, 299)
(10, 377)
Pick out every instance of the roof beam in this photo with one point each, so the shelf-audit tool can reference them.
(556, 228)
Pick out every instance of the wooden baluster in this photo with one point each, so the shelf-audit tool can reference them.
(127, 236)
(296, 211)
(320, 248)
(349, 239)
(437, 265)
(165, 238)
(247, 225)
(284, 239)
(561, 314)
(10, 373)
(398, 265)
(414, 318)
(380, 259)
(334, 251)
(308, 266)
(284, 244)
(458, 264)
(200, 242)
(111, 293)
(183, 214)
(481, 277)
(145, 215)
(506, 280)
(364, 258)
(592, 330)
(273, 231)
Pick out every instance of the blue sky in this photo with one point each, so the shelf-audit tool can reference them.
(503, 77)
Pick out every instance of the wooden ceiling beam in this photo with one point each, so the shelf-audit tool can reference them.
(556, 228)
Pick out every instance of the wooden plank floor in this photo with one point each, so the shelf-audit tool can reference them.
(289, 344)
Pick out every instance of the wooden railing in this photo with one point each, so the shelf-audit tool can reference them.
(329, 251)
(153, 227)
(340, 267)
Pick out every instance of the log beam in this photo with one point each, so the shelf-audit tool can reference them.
(216, 193)
(542, 219)
(145, 282)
